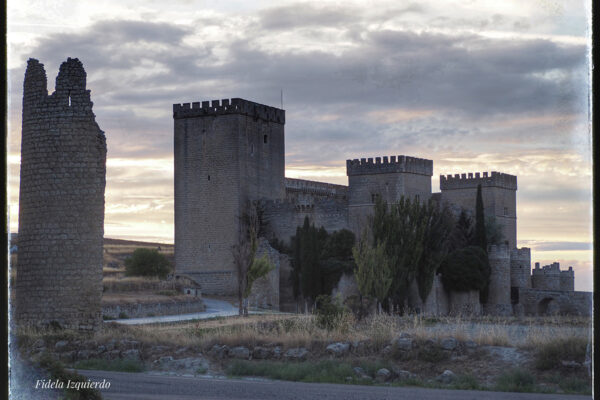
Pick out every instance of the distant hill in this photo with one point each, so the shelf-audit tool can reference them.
(124, 242)
(109, 241)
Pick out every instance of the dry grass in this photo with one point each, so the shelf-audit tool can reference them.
(138, 284)
(302, 330)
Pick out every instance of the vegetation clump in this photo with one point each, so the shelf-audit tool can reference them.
(57, 371)
(147, 262)
(550, 355)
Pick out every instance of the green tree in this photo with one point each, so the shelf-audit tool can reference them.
(437, 222)
(493, 231)
(465, 269)
(147, 262)
(462, 234)
(244, 250)
(373, 272)
(260, 267)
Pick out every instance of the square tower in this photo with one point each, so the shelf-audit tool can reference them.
(391, 178)
(226, 152)
(499, 192)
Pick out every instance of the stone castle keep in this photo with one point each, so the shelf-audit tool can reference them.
(231, 151)
(61, 202)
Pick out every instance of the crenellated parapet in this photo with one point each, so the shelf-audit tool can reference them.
(315, 188)
(472, 180)
(385, 165)
(226, 106)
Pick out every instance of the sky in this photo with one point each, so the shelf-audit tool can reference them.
(474, 85)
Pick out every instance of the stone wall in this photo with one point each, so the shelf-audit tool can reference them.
(499, 302)
(464, 303)
(437, 303)
(283, 217)
(389, 178)
(265, 290)
(544, 302)
(61, 202)
(499, 197)
(226, 152)
(215, 282)
(547, 277)
(520, 267)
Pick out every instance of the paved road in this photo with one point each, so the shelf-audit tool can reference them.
(214, 308)
(127, 386)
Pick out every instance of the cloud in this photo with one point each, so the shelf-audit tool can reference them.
(556, 246)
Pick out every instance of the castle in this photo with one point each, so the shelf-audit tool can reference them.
(231, 151)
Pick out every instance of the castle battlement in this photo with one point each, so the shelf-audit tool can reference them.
(470, 180)
(226, 106)
(522, 253)
(314, 187)
(552, 269)
(393, 164)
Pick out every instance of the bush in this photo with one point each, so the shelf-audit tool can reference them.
(147, 262)
(465, 269)
(516, 380)
(329, 313)
(550, 355)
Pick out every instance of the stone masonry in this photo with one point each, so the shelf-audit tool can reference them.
(61, 202)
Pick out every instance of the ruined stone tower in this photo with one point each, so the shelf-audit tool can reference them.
(499, 192)
(61, 202)
(389, 178)
(226, 152)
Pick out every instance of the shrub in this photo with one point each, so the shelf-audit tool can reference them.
(516, 380)
(123, 315)
(147, 262)
(465, 269)
(551, 354)
(329, 313)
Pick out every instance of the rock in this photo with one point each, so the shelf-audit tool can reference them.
(83, 354)
(189, 364)
(128, 344)
(446, 377)
(181, 350)
(111, 345)
(163, 360)
(113, 354)
(338, 349)
(449, 343)
(90, 345)
(38, 344)
(298, 354)
(101, 349)
(68, 356)
(403, 343)
(218, 351)
(570, 364)
(61, 346)
(239, 352)
(349, 379)
(403, 374)
(383, 375)
(261, 353)
(360, 372)
(132, 354)
(405, 335)
(469, 344)
(277, 352)
(386, 350)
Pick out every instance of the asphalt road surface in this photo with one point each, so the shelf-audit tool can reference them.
(127, 386)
